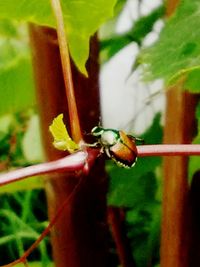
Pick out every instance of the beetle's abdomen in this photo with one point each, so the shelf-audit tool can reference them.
(125, 151)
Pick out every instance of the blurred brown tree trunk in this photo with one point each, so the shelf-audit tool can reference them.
(79, 237)
(179, 128)
(176, 219)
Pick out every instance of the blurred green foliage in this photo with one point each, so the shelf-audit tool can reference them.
(22, 205)
(15, 150)
(23, 218)
(22, 209)
(112, 43)
(16, 78)
(176, 54)
(137, 190)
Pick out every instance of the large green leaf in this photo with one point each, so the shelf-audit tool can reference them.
(82, 19)
(177, 52)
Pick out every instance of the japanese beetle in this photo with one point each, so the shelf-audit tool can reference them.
(117, 145)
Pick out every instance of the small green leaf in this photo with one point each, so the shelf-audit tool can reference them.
(62, 140)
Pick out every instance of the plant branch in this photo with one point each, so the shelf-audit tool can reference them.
(83, 161)
(168, 150)
(67, 74)
(69, 163)
(116, 218)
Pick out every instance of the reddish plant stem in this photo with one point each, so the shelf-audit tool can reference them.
(46, 231)
(67, 73)
(168, 150)
(90, 160)
(179, 128)
(116, 218)
(51, 223)
(83, 161)
(76, 162)
(171, 6)
(70, 163)
(176, 220)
